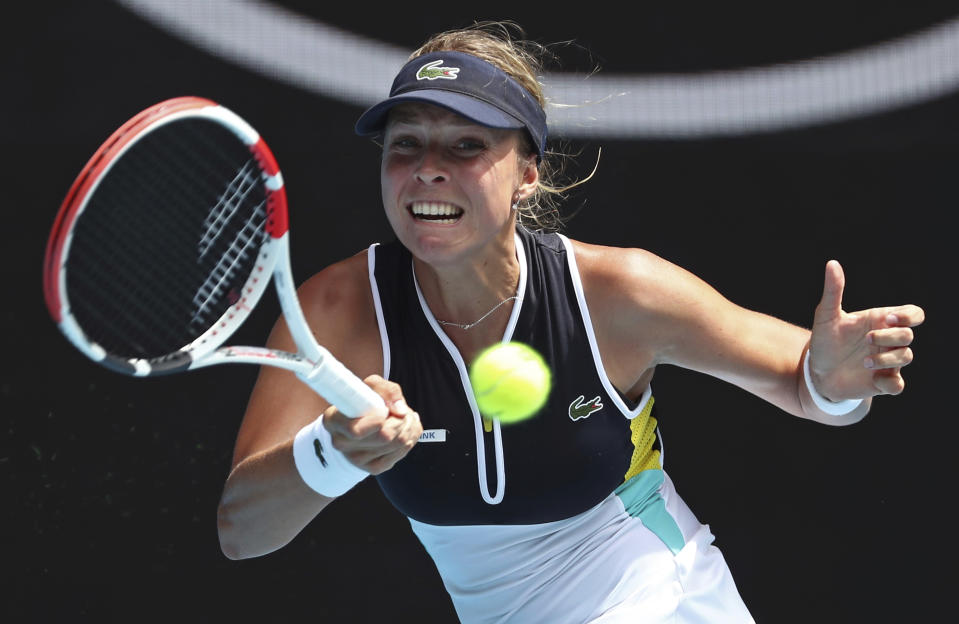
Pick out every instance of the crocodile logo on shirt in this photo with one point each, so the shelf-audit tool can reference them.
(430, 71)
(581, 408)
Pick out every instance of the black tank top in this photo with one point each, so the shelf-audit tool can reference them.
(563, 461)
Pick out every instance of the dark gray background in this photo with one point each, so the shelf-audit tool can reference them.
(111, 484)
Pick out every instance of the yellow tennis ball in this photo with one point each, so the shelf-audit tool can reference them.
(511, 382)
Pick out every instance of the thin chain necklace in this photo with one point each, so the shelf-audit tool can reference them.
(480, 319)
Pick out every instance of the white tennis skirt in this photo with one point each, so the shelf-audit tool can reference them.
(604, 566)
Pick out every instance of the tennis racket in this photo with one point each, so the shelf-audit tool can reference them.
(167, 240)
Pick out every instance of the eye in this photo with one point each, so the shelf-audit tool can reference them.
(403, 142)
(470, 144)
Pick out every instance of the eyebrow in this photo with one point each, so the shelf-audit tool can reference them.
(411, 114)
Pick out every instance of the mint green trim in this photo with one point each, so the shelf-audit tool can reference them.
(641, 498)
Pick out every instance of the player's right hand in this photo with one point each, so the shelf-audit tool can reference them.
(374, 442)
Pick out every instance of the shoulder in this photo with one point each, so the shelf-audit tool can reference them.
(641, 301)
(340, 285)
(603, 261)
(628, 274)
(338, 305)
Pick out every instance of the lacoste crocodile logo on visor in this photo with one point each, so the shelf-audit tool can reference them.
(581, 408)
(430, 71)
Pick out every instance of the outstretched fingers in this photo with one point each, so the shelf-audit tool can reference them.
(893, 358)
(892, 342)
(905, 316)
(843, 344)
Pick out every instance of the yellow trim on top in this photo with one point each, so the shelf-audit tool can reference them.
(643, 436)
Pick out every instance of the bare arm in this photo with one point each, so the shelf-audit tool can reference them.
(648, 312)
(265, 502)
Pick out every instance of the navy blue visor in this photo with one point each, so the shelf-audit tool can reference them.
(466, 85)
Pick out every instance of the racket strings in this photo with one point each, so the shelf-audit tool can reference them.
(167, 240)
(141, 233)
(238, 251)
(226, 206)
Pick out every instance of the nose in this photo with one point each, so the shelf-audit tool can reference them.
(430, 169)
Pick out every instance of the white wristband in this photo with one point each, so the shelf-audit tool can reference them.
(833, 408)
(322, 467)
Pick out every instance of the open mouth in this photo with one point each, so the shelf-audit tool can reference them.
(435, 212)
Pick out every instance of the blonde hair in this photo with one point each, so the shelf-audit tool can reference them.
(503, 44)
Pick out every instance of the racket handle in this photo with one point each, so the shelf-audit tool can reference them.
(340, 387)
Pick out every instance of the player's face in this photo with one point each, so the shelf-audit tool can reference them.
(449, 184)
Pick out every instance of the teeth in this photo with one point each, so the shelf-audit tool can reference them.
(438, 211)
(434, 208)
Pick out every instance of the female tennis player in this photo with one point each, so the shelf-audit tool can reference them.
(568, 516)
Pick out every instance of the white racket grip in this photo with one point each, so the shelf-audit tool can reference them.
(340, 387)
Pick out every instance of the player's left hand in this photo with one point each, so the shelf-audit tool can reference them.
(855, 355)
